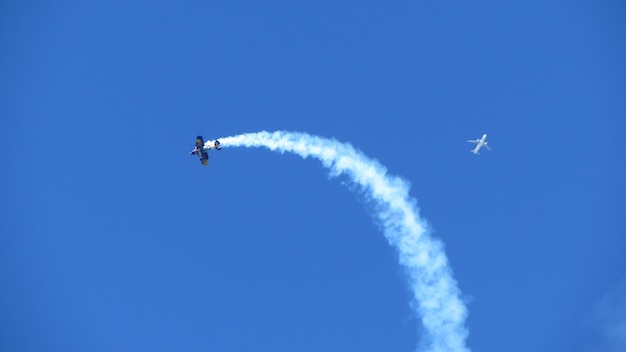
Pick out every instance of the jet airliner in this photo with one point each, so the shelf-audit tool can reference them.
(482, 142)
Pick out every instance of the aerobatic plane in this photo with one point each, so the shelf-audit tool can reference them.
(482, 142)
(201, 149)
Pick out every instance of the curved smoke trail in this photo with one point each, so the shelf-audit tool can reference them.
(436, 294)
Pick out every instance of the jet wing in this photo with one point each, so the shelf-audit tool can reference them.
(475, 141)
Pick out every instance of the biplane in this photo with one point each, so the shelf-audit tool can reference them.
(201, 149)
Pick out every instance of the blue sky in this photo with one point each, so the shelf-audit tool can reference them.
(113, 238)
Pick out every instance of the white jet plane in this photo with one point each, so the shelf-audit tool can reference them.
(482, 142)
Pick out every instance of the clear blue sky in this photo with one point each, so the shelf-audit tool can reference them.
(113, 239)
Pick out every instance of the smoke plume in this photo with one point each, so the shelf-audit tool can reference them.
(437, 298)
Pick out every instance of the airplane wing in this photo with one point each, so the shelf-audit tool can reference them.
(486, 146)
(475, 141)
(200, 151)
(204, 157)
(199, 142)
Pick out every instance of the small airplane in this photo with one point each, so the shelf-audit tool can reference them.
(201, 149)
(482, 142)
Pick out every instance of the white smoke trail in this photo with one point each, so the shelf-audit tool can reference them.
(436, 294)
